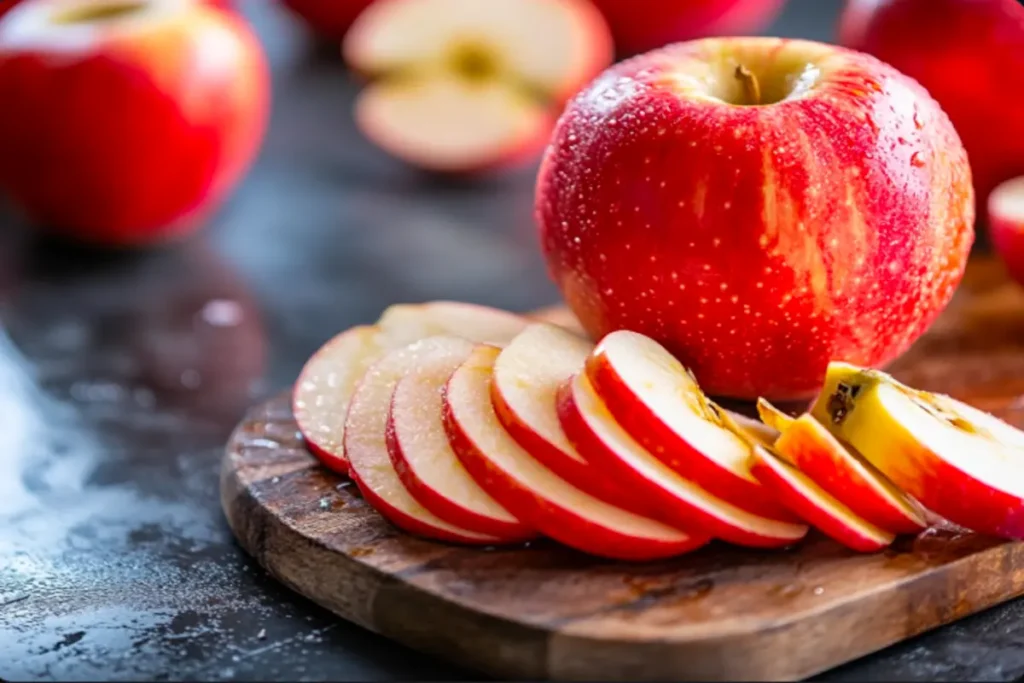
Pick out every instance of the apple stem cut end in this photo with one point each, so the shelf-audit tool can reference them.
(751, 86)
(98, 12)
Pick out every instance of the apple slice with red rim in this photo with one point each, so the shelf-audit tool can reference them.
(848, 477)
(527, 376)
(672, 497)
(325, 385)
(425, 461)
(366, 445)
(534, 493)
(659, 403)
(814, 504)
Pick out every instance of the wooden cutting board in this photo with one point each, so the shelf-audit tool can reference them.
(722, 613)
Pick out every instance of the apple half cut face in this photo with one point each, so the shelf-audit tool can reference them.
(659, 403)
(672, 497)
(848, 477)
(326, 383)
(534, 493)
(527, 376)
(366, 445)
(960, 462)
(427, 465)
(814, 504)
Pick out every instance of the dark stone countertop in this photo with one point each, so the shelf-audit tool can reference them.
(121, 377)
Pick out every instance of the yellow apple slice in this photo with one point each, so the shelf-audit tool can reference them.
(960, 462)
(535, 494)
(366, 440)
(425, 461)
(550, 46)
(811, 502)
(325, 385)
(658, 402)
(450, 125)
(772, 416)
(671, 496)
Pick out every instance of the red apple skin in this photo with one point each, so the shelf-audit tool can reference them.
(757, 243)
(150, 168)
(639, 27)
(969, 54)
(1007, 233)
(846, 477)
(329, 19)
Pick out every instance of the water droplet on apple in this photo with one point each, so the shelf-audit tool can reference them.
(917, 159)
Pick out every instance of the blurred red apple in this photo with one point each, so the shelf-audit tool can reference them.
(969, 54)
(1006, 224)
(644, 25)
(134, 118)
(328, 19)
(760, 207)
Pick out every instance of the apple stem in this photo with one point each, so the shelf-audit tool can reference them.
(750, 85)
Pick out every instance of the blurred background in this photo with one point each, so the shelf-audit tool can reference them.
(122, 371)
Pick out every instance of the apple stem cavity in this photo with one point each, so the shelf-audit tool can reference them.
(751, 86)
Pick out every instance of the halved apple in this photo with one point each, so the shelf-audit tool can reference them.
(849, 478)
(811, 502)
(325, 385)
(527, 376)
(535, 494)
(772, 416)
(672, 497)
(658, 402)
(958, 461)
(366, 440)
(425, 462)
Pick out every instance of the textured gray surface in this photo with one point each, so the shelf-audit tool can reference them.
(121, 377)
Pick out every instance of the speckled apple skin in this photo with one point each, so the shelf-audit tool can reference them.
(757, 243)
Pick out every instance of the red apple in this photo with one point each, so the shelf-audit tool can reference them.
(329, 19)
(642, 26)
(366, 446)
(133, 119)
(671, 496)
(425, 461)
(969, 54)
(757, 243)
(535, 494)
(658, 403)
(1006, 224)
(814, 504)
(463, 85)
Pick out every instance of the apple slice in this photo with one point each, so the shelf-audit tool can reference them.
(527, 376)
(958, 461)
(658, 402)
(325, 385)
(366, 445)
(814, 504)
(672, 497)
(846, 476)
(550, 47)
(772, 416)
(449, 125)
(425, 462)
(535, 494)
(759, 431)
(1006, 225)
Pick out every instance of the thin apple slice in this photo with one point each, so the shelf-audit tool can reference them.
(451, 125)
(658, 402)
(772, 416)
(535, 494)
(366, 440)
(814, 504)
(325, 385)
(759, 431)
(549, 46)
(425, 461)
(672, 497)
(958, 461)
(847, 477)
(527, 376)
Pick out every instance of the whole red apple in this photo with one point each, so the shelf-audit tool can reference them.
(328, 19)
(641, 26)
(760, 206)
(969, 54)
(132, 120)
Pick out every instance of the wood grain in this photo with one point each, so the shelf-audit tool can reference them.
(723, 613)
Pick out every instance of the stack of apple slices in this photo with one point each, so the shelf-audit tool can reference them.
(473, 425)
